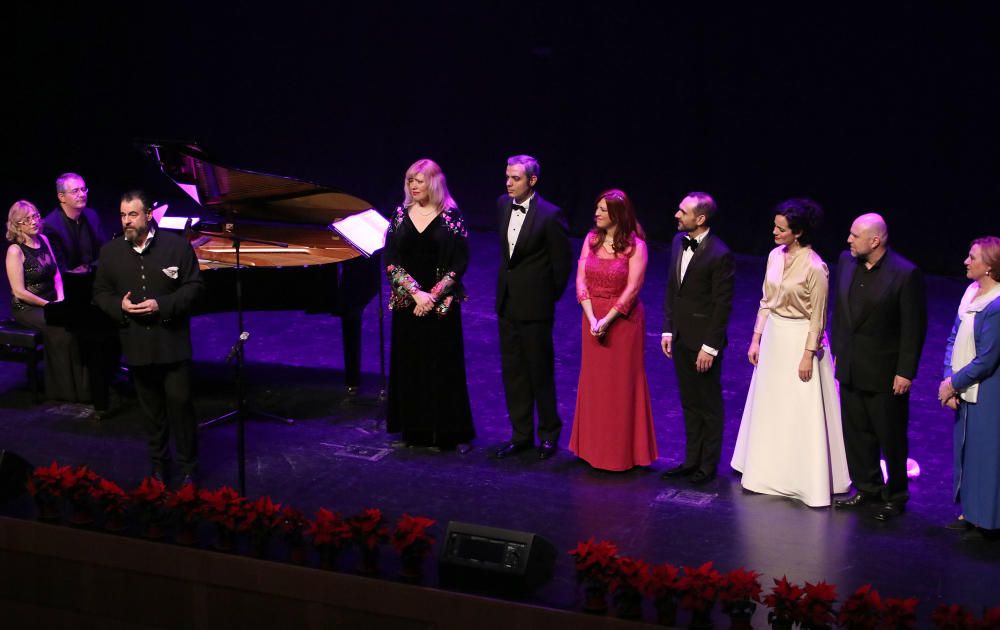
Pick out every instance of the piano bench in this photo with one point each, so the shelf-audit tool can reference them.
(18, 343)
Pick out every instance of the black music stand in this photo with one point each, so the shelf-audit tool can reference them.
(236, 352)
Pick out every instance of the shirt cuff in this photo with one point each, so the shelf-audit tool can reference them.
(710, 350)
(662, 335)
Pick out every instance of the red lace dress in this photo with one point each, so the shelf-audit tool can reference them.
(613, 423)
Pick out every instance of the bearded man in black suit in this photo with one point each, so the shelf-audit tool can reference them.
(697, 306)
(534, 269)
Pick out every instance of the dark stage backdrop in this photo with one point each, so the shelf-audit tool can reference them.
(859, 106)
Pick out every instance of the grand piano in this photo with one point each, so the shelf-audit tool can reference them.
(289, 257)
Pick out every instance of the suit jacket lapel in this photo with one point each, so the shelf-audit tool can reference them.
(504, 227)
(698, 255)
(526, 227)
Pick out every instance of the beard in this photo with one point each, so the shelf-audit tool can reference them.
(133, 235)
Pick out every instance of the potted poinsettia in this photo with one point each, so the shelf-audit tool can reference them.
(113, 501)
(862, 610)
(78, 483)
(224, 507)
(596, 566)
(699, 590)
(817, 606)
(149, 499)
(261, 519)
(412, 542)
(329, 533)
(783, 600)
(625, 587)
(662, 584)
(185, 508)
(292, 526)
(899, 613)
(953, 617)
(47, 486)
(991, 618)
(739, 595)
(368, 532)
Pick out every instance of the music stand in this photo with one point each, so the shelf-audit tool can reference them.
(236, 352)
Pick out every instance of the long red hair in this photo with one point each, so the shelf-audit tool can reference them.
(621, 213)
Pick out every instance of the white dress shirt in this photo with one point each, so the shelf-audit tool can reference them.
(516, 221)
(686, 255)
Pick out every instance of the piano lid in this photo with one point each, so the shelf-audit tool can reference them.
(256, 205)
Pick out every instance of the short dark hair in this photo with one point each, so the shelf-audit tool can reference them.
(804, 217)
(531, 166)
(141, 195)
(705, 204)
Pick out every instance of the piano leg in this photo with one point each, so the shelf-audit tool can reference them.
(350, 326)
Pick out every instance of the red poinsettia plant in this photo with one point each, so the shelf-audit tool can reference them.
(739, 591)
(862, 610)
(368, 530)
(991, 619)
(149, 497)
(817, 605)
(292, 524)
(328, 530)
(50, 481)
(185, 504)
(261, 518)
(661, 582)
(699, 588)
(898, 613)
(595, 561)
(223, 506)
(410, 536)
(629, 575)
(78, 482)
(953, 617)
(110, 497)
(784, 601)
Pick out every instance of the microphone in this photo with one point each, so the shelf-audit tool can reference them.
(237, 346)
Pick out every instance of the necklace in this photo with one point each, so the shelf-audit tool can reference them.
(609, 245)
(427, 214)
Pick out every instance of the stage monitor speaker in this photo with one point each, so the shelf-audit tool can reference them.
(493, 560)
(14, 473)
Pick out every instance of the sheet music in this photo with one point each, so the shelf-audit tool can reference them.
(365, 231)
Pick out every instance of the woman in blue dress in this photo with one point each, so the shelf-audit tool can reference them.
(972, 388)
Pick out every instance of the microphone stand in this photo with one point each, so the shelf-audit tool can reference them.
(237, 352)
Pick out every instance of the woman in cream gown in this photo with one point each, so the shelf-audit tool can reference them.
(791, 441)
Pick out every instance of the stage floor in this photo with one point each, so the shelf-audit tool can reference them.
(337, 455)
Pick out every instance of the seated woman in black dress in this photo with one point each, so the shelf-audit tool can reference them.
(34, 282)
(426, 254)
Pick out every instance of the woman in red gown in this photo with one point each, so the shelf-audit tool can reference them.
(613, 423)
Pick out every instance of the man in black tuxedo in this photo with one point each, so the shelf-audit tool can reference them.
(147, 283)
(534, 269)
(76, 236)
(698, 302)
(877, 332)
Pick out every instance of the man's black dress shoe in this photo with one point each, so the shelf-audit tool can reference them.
(546, 449)
(511, 448)
(889, 510)
(678, 471)
(857, 500)
(959, 525)
(699, 477)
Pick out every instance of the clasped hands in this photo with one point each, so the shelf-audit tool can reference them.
(146, 307)
(947, 395)
(599, 327)
(424, 303)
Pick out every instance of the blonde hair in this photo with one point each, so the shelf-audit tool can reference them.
(15, 215)
(437, 186)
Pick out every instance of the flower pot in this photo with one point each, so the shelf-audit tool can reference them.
(739, 621)
(225, 539)
(627, 603)
(666, 611)
(153, 531)
(186, 533)
(411, 567)
(114, 522)
(297, 552)
(48, 508)
(328, 557)
(595, 598)
(368, 563)
(701, 620)
(260, 546)
(80, 513)
(781, 623)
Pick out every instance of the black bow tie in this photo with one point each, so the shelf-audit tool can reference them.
(690, 243)
(518, 208)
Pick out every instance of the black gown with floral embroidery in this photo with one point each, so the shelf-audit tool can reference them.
(428, 393)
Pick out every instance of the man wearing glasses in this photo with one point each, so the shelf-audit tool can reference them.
(74, 230)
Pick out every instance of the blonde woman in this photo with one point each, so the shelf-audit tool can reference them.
(34, 282)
